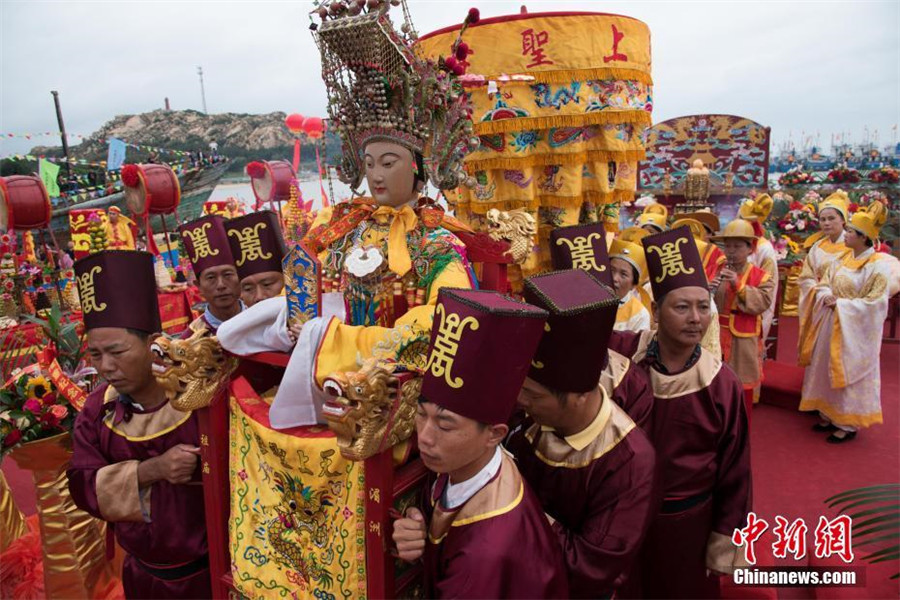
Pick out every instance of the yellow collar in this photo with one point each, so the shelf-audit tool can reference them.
(579, 441)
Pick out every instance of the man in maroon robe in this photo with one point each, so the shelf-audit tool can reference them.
(483, 534)
(258, 247)
(584, 247)
(700, 430)
(206, 244)
(134, 461)
(591, 467)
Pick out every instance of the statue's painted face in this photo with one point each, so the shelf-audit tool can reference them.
(390, 173)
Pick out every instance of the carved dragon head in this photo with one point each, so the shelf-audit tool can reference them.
(371, 409)
(192, 370)
(518, 227)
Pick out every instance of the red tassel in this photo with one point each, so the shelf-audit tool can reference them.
(130, 175)
(256, 170)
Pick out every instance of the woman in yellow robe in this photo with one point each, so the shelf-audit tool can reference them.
(842, 326)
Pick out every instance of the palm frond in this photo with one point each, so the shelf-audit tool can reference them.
(880, 506)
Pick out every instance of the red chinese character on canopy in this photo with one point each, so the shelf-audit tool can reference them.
(749, 535)
(835, 537)
(532, 43)
(616, 55)
(791, 538)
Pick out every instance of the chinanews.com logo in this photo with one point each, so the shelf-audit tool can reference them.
(830, 538)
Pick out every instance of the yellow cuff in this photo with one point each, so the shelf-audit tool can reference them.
(118, 494)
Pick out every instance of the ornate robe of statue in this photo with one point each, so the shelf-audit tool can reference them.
(162, 527)
(387, 314)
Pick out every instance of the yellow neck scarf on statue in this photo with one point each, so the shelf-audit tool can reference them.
(402, 222)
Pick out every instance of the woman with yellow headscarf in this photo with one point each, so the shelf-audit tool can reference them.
(828, 248)
(845, 315)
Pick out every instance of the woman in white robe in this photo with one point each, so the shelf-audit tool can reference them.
(826, 250)
(843, 325)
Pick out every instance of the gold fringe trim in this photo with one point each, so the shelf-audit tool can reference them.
(604, 117)
(524, 162)
(839, 418)
(597, 198)
(569, 75)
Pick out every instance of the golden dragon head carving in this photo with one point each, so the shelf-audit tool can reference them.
(191, 370)
(518, 227)
(372, 409)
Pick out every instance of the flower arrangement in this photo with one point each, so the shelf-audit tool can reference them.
(796, 176)
(811, 197)
(31, 409)
(843, 174)
(797, 221)
(885, 175)
(32, 406)
(789, 252)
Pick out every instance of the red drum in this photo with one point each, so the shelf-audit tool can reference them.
(151, 189)
(272, 183)
(24, 203)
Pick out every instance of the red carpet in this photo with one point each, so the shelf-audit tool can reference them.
(794, 470)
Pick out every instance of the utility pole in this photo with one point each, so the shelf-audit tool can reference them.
(62, 132)
(202, 91)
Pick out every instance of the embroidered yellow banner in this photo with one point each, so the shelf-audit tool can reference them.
(560, 102)
(297, 509)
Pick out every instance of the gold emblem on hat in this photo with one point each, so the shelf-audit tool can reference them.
(582, 252)
(251, 244)
(446, 343)
(87, 290)
(200, 242)
(670, 259)
(536, 363)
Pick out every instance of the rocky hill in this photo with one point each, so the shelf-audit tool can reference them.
(241, 137)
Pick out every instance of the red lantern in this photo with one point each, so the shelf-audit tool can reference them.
(294, 123)
(314, 127)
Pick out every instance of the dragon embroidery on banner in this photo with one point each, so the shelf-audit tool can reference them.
(545, 97)
(300, 509)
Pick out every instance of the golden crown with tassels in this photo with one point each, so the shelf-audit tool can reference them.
(380, 89)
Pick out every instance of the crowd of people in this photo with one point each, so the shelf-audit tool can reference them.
(587, 436)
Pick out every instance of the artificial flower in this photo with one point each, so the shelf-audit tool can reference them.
(37, 387)
(12, 438)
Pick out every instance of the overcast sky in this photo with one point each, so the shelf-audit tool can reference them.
(822, 67)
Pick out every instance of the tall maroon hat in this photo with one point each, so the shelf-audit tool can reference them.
(581, 247)
(673, 261)
(206, 243)
(481, 345)
(118, 289)
(573, 351)
(256, 243)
